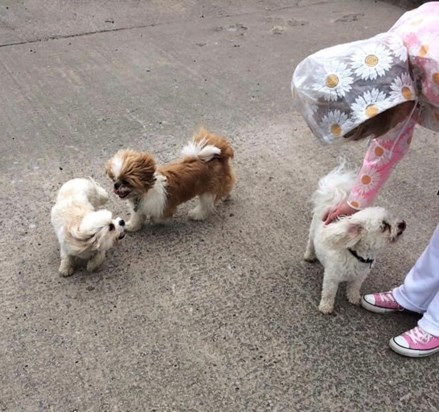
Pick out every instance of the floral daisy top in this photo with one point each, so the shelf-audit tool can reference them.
(338, 88)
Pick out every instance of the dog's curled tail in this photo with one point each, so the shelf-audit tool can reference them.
(100, 191)
(333, 188)
(207, 146)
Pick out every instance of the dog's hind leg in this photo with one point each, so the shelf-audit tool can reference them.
(310, 253)
(96, 261)
(353, 289)
(204, 208)
(329, 291)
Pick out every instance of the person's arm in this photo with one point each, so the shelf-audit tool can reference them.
(381, 157)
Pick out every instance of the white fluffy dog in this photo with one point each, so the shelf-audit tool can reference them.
(347, 248)
(82, 231)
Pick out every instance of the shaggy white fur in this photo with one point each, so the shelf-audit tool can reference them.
(347, 248)
(82, 231)
(201, 149)
(151, 204)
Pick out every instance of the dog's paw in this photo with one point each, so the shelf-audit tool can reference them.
(93, 266)
(95, 263)
(131, 227)
(66, 271)
(158, 220)
(197, 214)
(326, 308)
(354, 298)
(308, 257)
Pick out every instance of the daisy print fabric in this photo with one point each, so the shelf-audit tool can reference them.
(402, 88)
(351, 83)
(369, 104)
(333, 81)
(419, 30)
(335, 123)
(372, 60)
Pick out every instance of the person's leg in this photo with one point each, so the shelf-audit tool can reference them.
(420, 293)
(430, 321)
(423, 340)
(421, 285)
(418, 289)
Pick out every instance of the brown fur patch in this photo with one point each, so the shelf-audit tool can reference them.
(214, 140)
(137, 169)
(186, 178)
(192, 177)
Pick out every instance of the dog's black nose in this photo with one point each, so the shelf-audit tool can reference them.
(122, 222)
(401, 226)
(117, 185)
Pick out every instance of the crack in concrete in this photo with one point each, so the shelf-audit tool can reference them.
(143, 26)
(69, 36)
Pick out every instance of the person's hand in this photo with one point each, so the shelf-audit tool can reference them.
(343, 209)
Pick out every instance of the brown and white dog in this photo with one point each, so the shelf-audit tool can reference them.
(205, 170)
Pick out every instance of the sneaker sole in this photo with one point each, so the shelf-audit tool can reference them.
(411, 353)
(376, 309)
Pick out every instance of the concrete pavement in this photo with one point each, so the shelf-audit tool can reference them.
(213, 316)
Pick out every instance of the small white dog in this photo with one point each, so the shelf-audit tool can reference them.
(82, 231)
(347, 248)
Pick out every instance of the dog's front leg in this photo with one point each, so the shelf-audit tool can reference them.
(136, 221)
(67, 266)
(353, 289)
(163, 218)
(310, 253)
(329, 291)
(95, 261)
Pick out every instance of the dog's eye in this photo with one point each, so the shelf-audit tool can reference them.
(385, 226)
(111, 226)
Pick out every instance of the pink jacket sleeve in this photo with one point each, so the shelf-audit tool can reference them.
(381, 157)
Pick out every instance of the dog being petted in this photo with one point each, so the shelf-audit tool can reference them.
(347, 248)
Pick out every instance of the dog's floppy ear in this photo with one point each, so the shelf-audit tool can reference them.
(95, 221)
(84, 236)
(342, 234)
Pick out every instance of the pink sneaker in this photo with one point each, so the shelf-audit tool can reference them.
(415, 343)
(383, 302)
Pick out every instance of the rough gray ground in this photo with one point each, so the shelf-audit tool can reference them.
(214, 316)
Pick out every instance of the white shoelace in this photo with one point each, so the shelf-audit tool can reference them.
(387, 297)
(417, 335)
